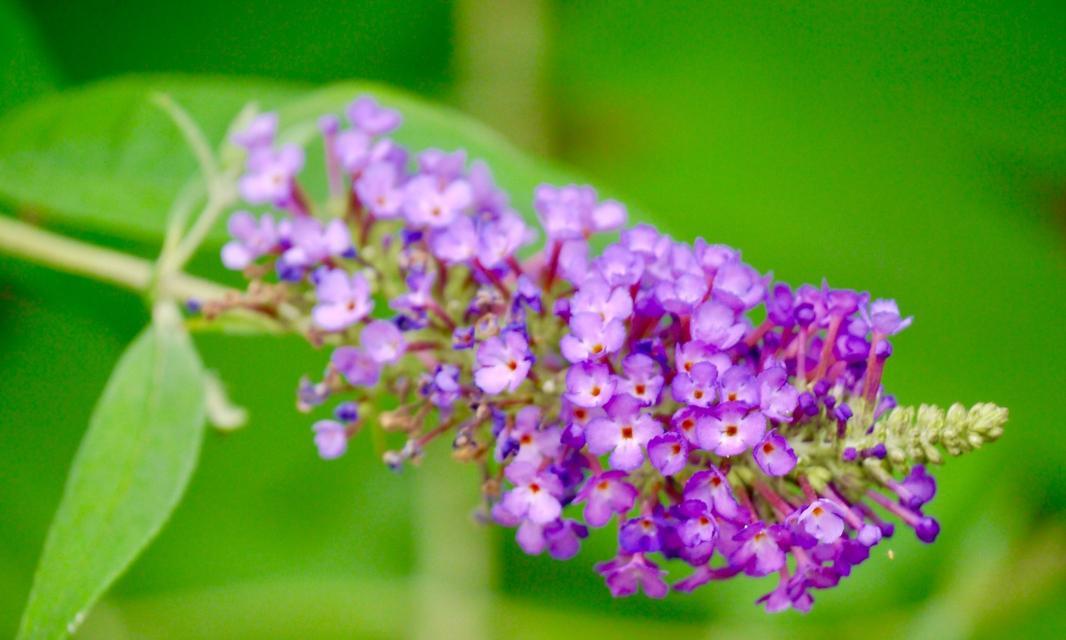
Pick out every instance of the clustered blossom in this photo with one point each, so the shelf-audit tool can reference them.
(631, 385)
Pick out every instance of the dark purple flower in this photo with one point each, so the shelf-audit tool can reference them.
(347, 412)
(759, 553)
(917, 488)
(639, 535)
(625, 573)
(503, 362)
(773, 455)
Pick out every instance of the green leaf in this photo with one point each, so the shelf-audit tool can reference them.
(127, 477)
(102, 157)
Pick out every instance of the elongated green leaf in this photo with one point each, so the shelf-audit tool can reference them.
(102, 157)
(128, 475)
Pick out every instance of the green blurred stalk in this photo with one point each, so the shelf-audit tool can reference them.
(64, 254)
(502, 62)
(455, 554)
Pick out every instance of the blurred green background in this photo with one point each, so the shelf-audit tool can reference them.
(917, 150)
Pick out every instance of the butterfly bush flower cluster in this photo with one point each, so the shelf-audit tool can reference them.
(600, 374)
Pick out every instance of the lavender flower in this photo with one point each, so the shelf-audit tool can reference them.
(343, 300)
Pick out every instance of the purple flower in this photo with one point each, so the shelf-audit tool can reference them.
(596, 296)
(821, 520)
(456, 243)
(642, 378)
(687, 355)
(311, 243)
(773, 455)
(738, 385)
(443, 387)
(429, 203)
(639, 535)
(573, 212)
(343, 299)
(251, 239)
(716, 324)
(535, 495)
(259, 133)
(758, 554)
(623, 433)
(382, 341)
(619, 266)
(379, 189)
(356, 366)
(331, 439)
(712, 489)
(625, 573)
(645, 241)
(270, 176)
(698, 532)
(605, 495)
(502, 362)
(534, 444)
(778, 398)
(739, 286)
(697, 387)
(885, 319)
(443, 165)
(589, 385)
(917, 488)
(590, 338)
(501, 238)
(686, 421)
(731, 431)
(712, 257)
(679, 295)
(367, 115)
(574, 261)
(669, 453)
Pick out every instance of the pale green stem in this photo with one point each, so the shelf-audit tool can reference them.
(64, 254)
(454, 552)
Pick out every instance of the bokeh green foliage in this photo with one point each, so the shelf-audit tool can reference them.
(915, 151)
